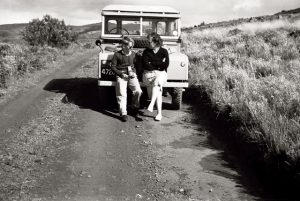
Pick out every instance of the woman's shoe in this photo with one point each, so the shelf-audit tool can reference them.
(158, 117)
(150, 109)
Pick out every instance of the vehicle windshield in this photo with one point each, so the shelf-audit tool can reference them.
(162, 26)
(132, 26)
(123, 26)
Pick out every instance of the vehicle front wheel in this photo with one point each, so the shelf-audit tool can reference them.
(176, 98)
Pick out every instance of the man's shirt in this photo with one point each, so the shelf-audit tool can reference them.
(121, 61)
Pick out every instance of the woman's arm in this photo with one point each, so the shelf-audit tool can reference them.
(146, 61)
(164, 64)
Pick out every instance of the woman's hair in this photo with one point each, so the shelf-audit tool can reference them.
(127, 40)
(155, 38)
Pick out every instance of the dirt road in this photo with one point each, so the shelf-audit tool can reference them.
(57, 143)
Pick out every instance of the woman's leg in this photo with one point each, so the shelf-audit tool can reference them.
(161, 77)
(156, 90)
(159, 106)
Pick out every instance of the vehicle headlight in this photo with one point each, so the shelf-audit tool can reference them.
(182, 64)
(175, 33)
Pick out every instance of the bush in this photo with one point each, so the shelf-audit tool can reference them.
(17, 60)
(4, 50)
(49, 31)
(4, 75)
(88, 45)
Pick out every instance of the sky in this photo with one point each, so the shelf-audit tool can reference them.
(81, 12)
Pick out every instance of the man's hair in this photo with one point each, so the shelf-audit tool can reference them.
(127, 40)
(155, 38)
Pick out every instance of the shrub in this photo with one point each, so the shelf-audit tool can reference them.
(4, 50)
(290, 53)
(4, 75)
(48, 31)
(233, 32)
(88, 45)
(17, 60)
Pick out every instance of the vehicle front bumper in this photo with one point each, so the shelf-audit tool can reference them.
(168, 84)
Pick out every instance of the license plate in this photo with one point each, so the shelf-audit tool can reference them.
(106, 71)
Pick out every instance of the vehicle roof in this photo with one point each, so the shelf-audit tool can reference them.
(140, 8)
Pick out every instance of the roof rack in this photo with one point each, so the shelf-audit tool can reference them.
(141, 10)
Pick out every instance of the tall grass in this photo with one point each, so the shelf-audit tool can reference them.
(19, 60)
(253, 69)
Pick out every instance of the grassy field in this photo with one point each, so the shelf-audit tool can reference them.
(21, 64)
(251, 73)
(11, 32)
(18, 59)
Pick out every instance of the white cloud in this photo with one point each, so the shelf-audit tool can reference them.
(247, 5)
(78, 12)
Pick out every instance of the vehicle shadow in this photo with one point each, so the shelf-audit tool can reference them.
(85, 93)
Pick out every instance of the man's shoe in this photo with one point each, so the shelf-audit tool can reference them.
(137, 116)
(124, 118)
(135, 112)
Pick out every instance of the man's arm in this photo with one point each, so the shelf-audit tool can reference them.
(114, 64)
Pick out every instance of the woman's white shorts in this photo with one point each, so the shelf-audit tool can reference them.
(155, 78)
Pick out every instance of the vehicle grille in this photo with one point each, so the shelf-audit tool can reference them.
(141, 43)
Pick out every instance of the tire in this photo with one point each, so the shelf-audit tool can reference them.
(176, 98)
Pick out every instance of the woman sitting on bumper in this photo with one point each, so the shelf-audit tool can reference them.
(155, 63)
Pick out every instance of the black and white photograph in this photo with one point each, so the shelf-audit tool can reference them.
(161, 100)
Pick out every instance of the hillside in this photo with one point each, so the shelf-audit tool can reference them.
(89, 31)
(11, 32)
(289, 12)
(290, 15)
(87, 28)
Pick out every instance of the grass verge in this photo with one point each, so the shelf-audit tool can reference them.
(248, 76)
(21, 66)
